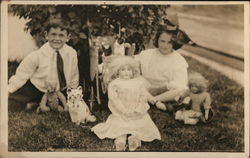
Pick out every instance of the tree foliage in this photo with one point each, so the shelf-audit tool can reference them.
(135, 23)
(96, 20)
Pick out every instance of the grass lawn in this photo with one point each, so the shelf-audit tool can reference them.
(29, 131)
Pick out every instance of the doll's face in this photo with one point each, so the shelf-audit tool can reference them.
(125, 72)
(194, 88)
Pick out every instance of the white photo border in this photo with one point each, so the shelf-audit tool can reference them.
(3, 97)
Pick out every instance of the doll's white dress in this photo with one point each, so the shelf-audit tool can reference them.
(128, 96)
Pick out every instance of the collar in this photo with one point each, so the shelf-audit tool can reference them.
(48, 50)
(165, 55)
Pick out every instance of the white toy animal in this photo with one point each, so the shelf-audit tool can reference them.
(78, 109)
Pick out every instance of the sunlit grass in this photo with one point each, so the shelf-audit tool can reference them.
(29, 131)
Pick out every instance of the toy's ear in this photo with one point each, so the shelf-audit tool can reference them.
(68, 90)
(79, 88)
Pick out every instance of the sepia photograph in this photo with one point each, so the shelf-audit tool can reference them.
(124, 79)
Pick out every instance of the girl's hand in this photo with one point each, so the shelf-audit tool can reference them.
(152, 100)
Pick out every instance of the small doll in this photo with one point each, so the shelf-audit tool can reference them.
(200, 101)
(120, 47)
(78, 109)
(128, 103)
(51, 99)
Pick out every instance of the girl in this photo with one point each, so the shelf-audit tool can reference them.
(163, 68)
(128, 102)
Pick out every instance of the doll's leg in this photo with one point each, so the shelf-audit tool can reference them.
(179, 115)
(89, 117)
(191, 117)
(60, 108)
(190, 121)
(42, 106)
(120, 143)
(133, 143)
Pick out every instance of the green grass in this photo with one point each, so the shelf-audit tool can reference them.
(29, 131)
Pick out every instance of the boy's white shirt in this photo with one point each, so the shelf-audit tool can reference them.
(40, 66)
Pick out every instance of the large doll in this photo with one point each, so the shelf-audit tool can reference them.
(128, 103)
(199, 100)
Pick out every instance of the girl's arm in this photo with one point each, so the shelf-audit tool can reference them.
(180, 80)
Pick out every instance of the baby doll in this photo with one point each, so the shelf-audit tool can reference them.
(50, 100)
(128, 103)
(199, 98)
(78, 109)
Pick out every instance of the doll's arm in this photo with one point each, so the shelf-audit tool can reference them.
(62, 99)
(42, 105)
(145, 97)
(183, 97)
(115, 103)
(207, 105)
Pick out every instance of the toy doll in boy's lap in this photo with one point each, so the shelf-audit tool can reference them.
(54, 61)
(128, 103)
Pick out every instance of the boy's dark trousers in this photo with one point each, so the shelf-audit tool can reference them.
(26, 94)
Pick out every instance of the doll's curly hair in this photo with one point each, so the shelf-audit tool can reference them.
(121, 61)
(198, 80)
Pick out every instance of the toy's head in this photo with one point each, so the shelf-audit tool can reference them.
(50, 86)
(197, 83)
(74, 95)
(124, 66)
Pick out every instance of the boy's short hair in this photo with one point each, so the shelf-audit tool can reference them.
(58, 23)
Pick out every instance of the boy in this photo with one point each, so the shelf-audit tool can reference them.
(55, 61)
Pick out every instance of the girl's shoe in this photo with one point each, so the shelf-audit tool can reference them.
(133, 143)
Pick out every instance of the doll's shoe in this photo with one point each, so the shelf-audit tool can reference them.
(133, 143)
(160, 106)
(120, 143)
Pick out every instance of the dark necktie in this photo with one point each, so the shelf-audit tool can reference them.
(61, 77)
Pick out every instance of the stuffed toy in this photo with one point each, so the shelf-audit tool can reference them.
(51, 99)
(78, 109)
(199, 100)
